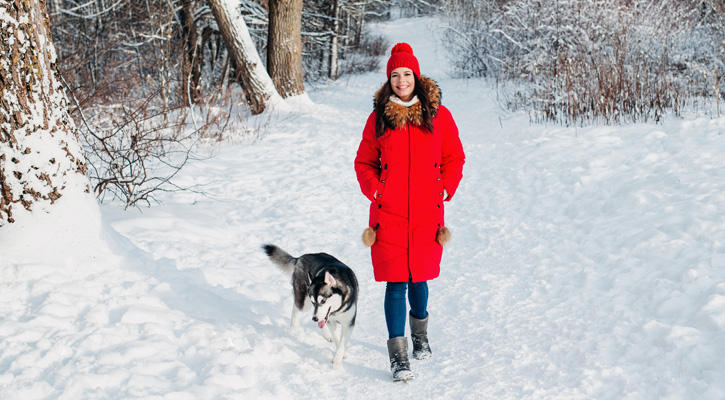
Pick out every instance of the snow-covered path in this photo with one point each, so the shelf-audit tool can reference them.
(586, 264)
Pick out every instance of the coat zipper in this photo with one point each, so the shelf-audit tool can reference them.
(410, 226)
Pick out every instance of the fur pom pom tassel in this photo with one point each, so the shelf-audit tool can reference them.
(368, 236)
(443, 236)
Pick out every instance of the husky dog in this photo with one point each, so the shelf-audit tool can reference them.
(323, 282)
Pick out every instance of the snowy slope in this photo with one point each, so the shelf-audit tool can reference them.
(586, 264)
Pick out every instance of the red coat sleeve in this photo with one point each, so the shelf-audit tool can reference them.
(452, 155)
(367, 161)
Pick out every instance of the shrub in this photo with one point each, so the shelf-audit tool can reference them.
(574, 62)
(366, 56)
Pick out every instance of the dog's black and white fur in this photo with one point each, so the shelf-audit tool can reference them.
(325, 283)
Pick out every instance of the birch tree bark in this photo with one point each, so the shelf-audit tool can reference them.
(40, 155)
(256, 83)
(284, 47)
(335, 14)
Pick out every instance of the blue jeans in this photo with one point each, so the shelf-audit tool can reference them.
(395, 305)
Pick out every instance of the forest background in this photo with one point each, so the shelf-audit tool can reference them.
(148, 79)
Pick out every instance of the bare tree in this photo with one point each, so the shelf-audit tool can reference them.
(256, 83)
(334, 41)
(334, 51)
(191, 65)
(715, 15)
(40, 156)
(284, 47)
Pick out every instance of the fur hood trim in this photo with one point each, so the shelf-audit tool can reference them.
(398, 115)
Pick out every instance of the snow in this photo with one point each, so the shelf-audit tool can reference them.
(585, 263)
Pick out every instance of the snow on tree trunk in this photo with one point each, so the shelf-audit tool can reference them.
(40, 155)
(256, 83)
(284, 47)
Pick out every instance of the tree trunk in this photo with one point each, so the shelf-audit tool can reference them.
(256, 83)
(334, 52)
(360, 22)
(40, 156)
(284, 47)
(191, 67)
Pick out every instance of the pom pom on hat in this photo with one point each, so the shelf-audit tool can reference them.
(402, 56)
(401, 48)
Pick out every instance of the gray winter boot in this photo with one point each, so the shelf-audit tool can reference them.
(399, 364)
(419, 334)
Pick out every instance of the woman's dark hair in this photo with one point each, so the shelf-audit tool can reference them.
(381, 121)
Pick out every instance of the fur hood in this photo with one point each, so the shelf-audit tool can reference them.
(398, 115)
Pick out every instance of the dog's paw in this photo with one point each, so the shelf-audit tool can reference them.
(336, 363)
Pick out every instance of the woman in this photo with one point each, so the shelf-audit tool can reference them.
(409, 162)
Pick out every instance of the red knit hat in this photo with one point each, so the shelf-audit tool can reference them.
(402, 56)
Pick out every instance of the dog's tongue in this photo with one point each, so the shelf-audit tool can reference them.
(321, 323)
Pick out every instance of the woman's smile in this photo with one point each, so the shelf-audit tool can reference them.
(403, 82)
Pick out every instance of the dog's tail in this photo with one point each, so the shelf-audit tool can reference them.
(284, 261)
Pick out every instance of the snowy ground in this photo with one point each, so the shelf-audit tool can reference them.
(586, 264)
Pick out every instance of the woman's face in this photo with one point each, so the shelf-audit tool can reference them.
(403, 82)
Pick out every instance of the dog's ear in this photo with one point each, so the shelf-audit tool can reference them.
(329, 279)
(309, 278)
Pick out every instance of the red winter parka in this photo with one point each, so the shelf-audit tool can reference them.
(407, 170)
